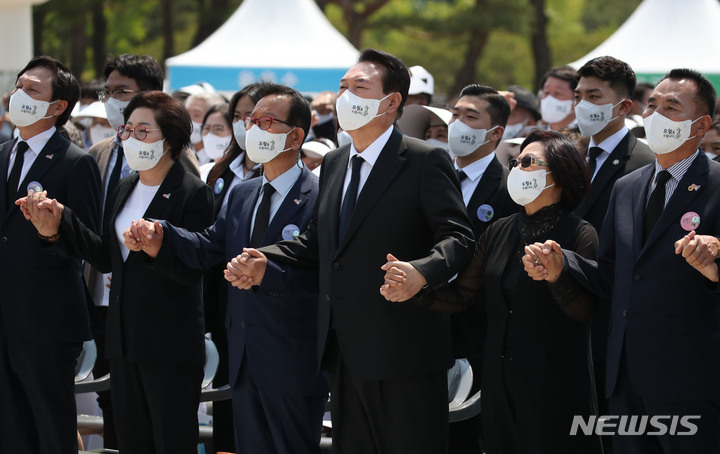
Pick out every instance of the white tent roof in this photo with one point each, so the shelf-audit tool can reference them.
(665, 34)
(285, 41)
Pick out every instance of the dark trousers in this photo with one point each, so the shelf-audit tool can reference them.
(270, 423)
(399, 416)
(37, 397)
(101, 368)
(155, 407)
(625, 401)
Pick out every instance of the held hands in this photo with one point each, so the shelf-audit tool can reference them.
(402, 280)
(44, 213)
(247, 269)
(144, 236)
(543, 261)
(700, 251)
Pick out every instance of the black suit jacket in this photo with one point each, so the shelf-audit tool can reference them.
(43, 297)
(629, 155)
(665, 315)
(152, 317)
(410, 206)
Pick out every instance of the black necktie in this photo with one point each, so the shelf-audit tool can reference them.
(112, 183)
(461, 175)
(594, 152)
(262, 216)
(656, 203)
(350, 196)
(14, 178)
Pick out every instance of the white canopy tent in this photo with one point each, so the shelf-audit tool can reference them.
(285, 41)
(665, 34)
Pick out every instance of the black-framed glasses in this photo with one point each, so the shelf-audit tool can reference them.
(140, 132)
(118, 93)
(525, 162)
(262, 122)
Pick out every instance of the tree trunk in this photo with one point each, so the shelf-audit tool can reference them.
(168, 36)
(466, 74)
(210, 18)
(38, 20)
(98, 39)
(77, 49)
(540, 48)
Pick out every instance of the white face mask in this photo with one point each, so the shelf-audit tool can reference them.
(239, 132)
(343, 138)
(141, 155)
(26, 111)
(553, 109)
(355, 112)
(665, 135)
(196, 135)
(262, 146)
(524, 187)
(215, 145)
(464, 140)
(114, 109)
(85, 122)
(511, 131)
(99, 133)
(593, 118)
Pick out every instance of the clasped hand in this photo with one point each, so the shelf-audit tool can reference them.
(143, 235)
(44, 213)
(402, 280)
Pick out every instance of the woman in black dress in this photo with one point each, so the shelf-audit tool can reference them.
(536, 370)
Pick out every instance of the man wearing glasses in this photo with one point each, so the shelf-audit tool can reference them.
(43, 305)
(278, 397)
(127, 75)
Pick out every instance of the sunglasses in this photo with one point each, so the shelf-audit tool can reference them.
(525, 162)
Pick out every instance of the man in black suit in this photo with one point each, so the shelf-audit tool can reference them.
(387, 362)
(476, 129)
(603, 98)
(43, 305)
(657, 264)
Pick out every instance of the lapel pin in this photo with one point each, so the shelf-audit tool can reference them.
(694, 187)
(34, 186)
(616, 162)
(49, 156)
(690, 221)
(167, 196)
(297, 201)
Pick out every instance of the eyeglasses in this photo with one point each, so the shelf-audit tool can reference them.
(525, 162)
(140, 132)
(118, 93)
(262, 122)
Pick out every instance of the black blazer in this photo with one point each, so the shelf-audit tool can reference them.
(152, 318)
(629, 155)
(43, 298)
(410, 206)
(664, 315)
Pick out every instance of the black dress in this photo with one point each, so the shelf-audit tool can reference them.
(536, 369)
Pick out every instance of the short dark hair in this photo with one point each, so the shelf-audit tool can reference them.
(716, 126)
(498, 107)
(705, 96)
(64, 85)
(640, 89)
(170, 115)
(618, 73)
(222, 109)
(250, 90)
(569, 169)
(144, 69)
(299, 114)
(566, 73)
(395, 75)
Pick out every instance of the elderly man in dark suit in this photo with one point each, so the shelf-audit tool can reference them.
(603, 98)
(657, 265)
(278, 395)
(43, 305)
(384, 193)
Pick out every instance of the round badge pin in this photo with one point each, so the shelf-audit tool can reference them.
(690, 221)
(34, 186)
(219, 185)
(485, 212)
(290, 232)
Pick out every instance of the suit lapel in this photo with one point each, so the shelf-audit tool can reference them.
(165, 194)
(52, 153)
(697, 175)
(294, 201)
(485, 188)
(614, 164)
(246, 197)
(334, 170)
(639, 196)
(383, 173)
(4, 164)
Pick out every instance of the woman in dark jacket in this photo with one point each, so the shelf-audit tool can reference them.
(536, 373)
(155, 323)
